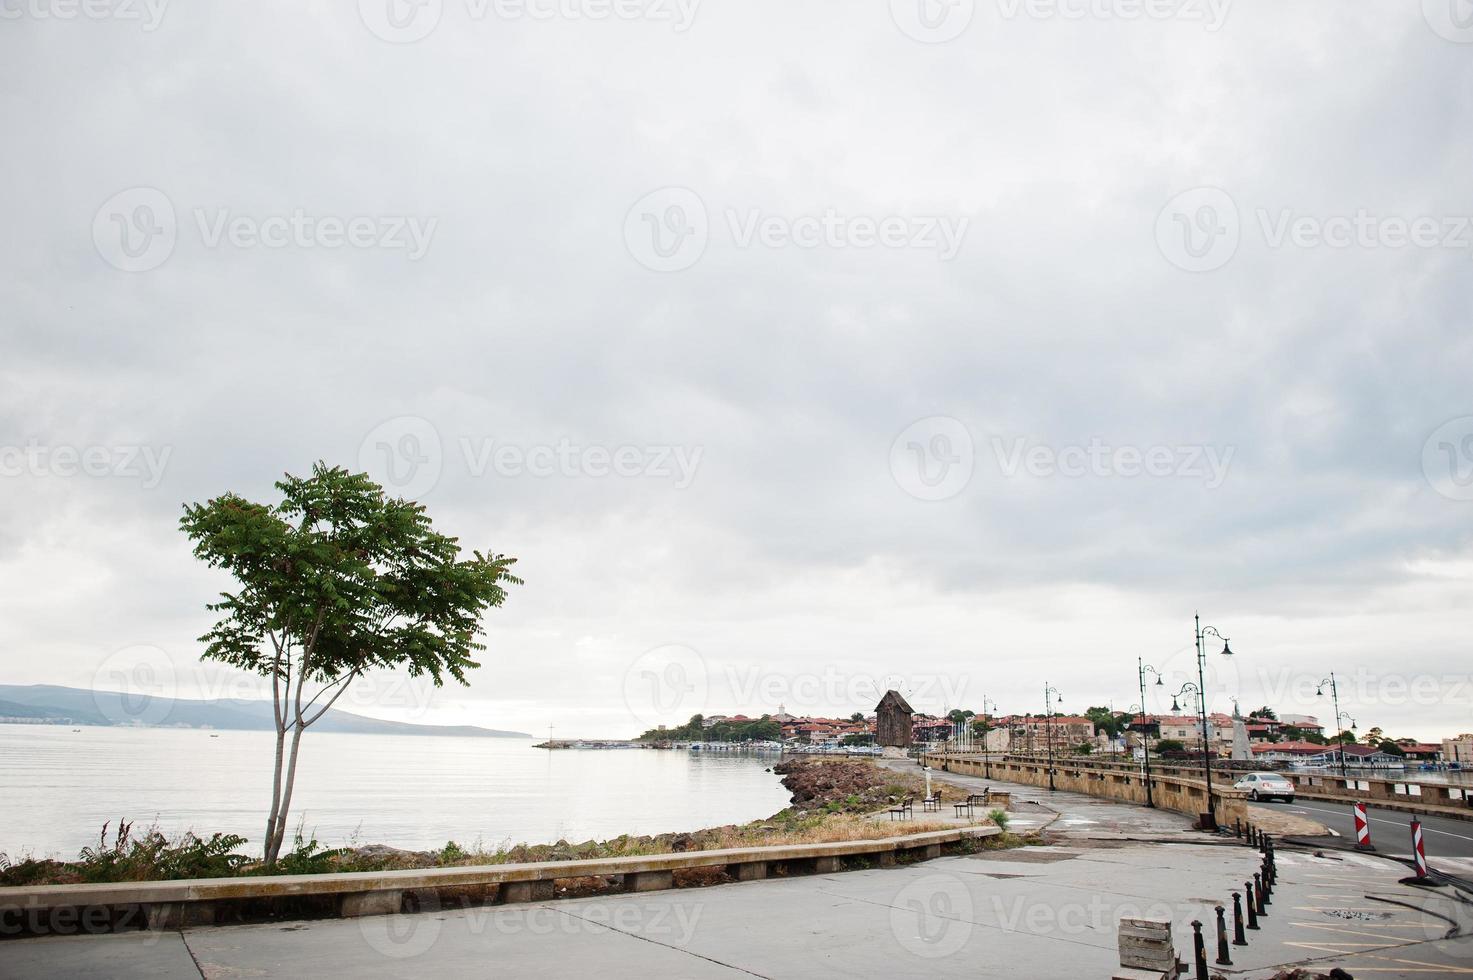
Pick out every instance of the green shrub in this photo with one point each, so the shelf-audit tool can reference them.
(307, 857)
(153, 857)
(999, 817)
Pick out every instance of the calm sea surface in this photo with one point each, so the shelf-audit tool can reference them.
(57, 787)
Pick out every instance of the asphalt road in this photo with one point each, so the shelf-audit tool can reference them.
(1448, 843)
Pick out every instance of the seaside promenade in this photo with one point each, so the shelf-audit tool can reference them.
(1038, 911)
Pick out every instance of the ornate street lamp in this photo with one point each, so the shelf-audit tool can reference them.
(986, 753)
(1319, 692)
(1141, 670)
(1202, 633)
(1048, 722)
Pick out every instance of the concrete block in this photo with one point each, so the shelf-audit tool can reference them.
(1157, 966)
(527, 891)
(649, 881)
(932, 852)
(179, 915)
(751, 871)
(827, 865)
(371, 903)
(885, 859)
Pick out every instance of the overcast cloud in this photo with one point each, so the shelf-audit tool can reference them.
(815, 347)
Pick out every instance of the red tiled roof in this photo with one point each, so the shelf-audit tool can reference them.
(1296, 748)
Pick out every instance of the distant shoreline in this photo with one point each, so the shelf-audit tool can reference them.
(49, 704)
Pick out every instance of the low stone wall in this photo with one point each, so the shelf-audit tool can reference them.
(1403, 793)
(1176, 793)
(171, 904)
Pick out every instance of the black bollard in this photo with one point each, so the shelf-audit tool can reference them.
(1223, 959)
(1199, 951)
(1252, 905)
(1238, 938)
(1237, 828)
(1258, 893)
(1268, 888)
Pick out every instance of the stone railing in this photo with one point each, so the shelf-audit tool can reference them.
(1405, 793)
(171, 904)
(1178, 793)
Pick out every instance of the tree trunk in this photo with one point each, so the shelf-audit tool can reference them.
(286, 793)
(269, 852)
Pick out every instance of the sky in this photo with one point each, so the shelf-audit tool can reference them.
(796, 350)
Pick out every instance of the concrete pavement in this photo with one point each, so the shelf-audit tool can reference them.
(1038, 912)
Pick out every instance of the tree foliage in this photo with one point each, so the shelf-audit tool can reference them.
(335, 581)
(763, 729)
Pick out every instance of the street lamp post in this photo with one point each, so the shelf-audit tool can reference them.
(986, 752)
(1048, 723)
(1202, 633)
(1319, 691)
(1141, 669)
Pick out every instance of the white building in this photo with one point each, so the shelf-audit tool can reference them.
(1459, 750)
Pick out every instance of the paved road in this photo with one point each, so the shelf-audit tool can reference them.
(1448, 842)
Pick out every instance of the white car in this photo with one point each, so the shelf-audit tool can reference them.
(1266, 786)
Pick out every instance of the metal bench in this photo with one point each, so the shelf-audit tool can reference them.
(905, 809)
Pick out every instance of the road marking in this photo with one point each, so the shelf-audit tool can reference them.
(1396, 823)
(1351, 932)
(1433, 967)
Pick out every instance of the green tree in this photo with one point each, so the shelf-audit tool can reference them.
(1169, 745)
(1111, 723)
(1388, 746)
(335, 581)
(857, 717)
(957, 714)
(1346, 737)
(1265, 713)
(1374, 737)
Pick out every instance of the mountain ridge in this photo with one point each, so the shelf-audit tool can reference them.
(39, 703)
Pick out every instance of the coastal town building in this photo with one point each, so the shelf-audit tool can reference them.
(894, 721)
(1459, 750)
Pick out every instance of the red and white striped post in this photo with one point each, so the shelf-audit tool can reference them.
(1418, 853)
(1362, 829)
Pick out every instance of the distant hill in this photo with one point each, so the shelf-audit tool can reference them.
(75, 706)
